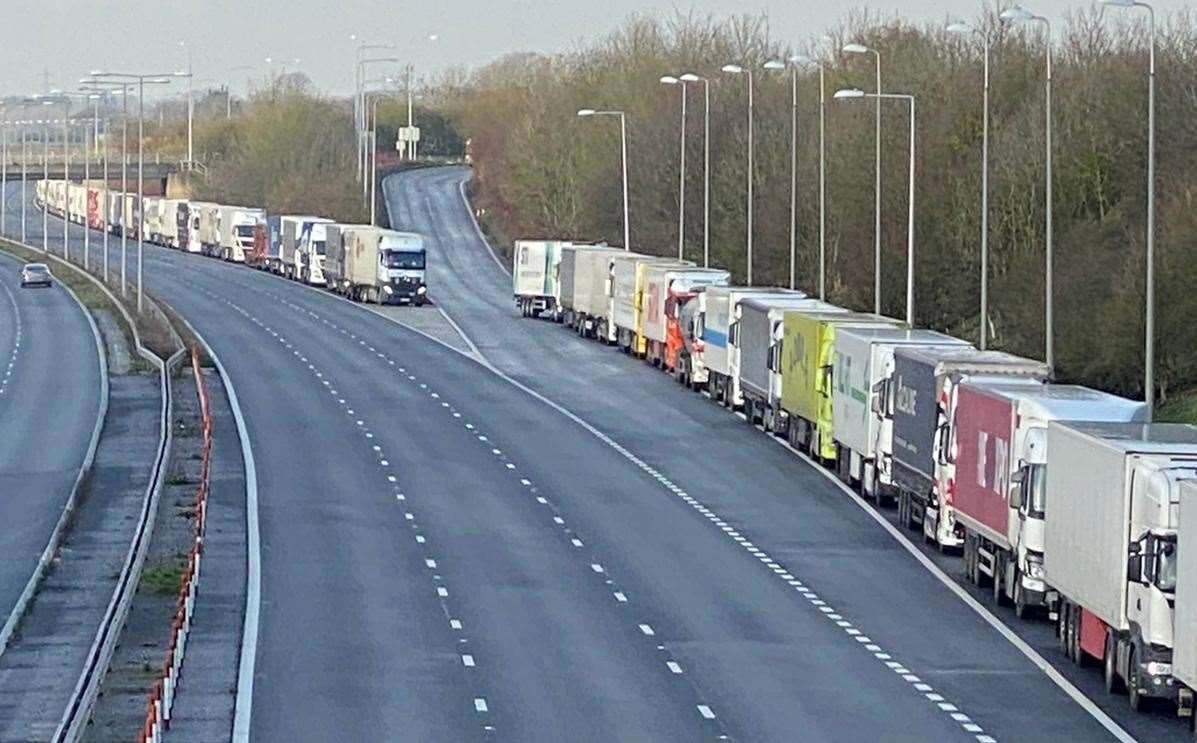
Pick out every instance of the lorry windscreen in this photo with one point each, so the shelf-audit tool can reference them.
(320, 246)
(404, 260)
(1036, 503)
(245, 230)
(1165, 571)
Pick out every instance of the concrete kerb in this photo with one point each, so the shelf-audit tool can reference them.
(243, 706)
(64, 519)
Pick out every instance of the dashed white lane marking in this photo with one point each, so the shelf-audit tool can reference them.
(706, 712)
(16, 346)
(620, 597)
(467, 659)
(645, 629)
(673, 666)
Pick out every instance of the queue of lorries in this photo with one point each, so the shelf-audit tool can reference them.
(1058, 497)
(359, 261)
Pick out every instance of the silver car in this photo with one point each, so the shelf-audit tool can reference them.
(36, 274)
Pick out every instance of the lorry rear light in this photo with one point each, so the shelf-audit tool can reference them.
(699, 346)
(950, 490)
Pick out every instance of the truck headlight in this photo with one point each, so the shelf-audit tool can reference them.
(388, 290)
(1155, 668)
(422, 290)
(1035, 566)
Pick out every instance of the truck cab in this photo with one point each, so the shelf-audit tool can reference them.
(401, 267)
(1113, 496)
(312, 251)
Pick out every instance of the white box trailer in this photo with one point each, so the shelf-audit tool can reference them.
(206, 223)
(311, 251)
(719, 352)
(235, 230)
(290, 261)
(168, 222)
(1110, 543)
(534, 270)
(155, 219)
(862, 360)
(584, 272)
(77, 202)
(1184, 624)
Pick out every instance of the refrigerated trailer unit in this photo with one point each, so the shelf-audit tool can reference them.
(204, 227)
(312, 250)
(1184, 622)
(1110, 539)
(534, 271)
(720, 354)
(923, 389)
(863, 359)
(807, 362)
(291, 260)
(756, 336)
(999, 441)
(583, 274)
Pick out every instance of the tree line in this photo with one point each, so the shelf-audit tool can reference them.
(543, 172)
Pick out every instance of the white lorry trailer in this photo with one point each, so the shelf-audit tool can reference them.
(1184, 623)
(720, 355)
(292, 261)
(591, 279)
(862, 360)
(999, 443)
(534, 272)
(205, 230)
(373, 264)
(1111, 527)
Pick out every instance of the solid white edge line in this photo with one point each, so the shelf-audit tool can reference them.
(47, 555)
(980, 609)
(243, 705)
(469, 210)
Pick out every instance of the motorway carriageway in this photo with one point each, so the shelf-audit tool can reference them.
(447, 557)
(49, 401)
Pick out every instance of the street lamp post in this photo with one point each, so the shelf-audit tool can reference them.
(778, 65)
(1018, 14)
(747, 72)
(623, 149)
(862, 49)
(852, 94)
(360, 99)
(142, 80)
(190, 104)
(964, 28)
(1149, 310)
(681, 188)
(802, 59)
(690, 77)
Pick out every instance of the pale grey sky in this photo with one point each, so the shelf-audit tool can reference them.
(65, 38)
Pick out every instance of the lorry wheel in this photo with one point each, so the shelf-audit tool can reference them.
(1136, 700)
(999, 583)
(1021, 609)
(1110, 667)
(1062, 611)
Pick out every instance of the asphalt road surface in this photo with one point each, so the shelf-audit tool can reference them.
(49, 400)
(448, 557)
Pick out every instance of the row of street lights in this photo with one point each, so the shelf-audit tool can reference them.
(1015, 14)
